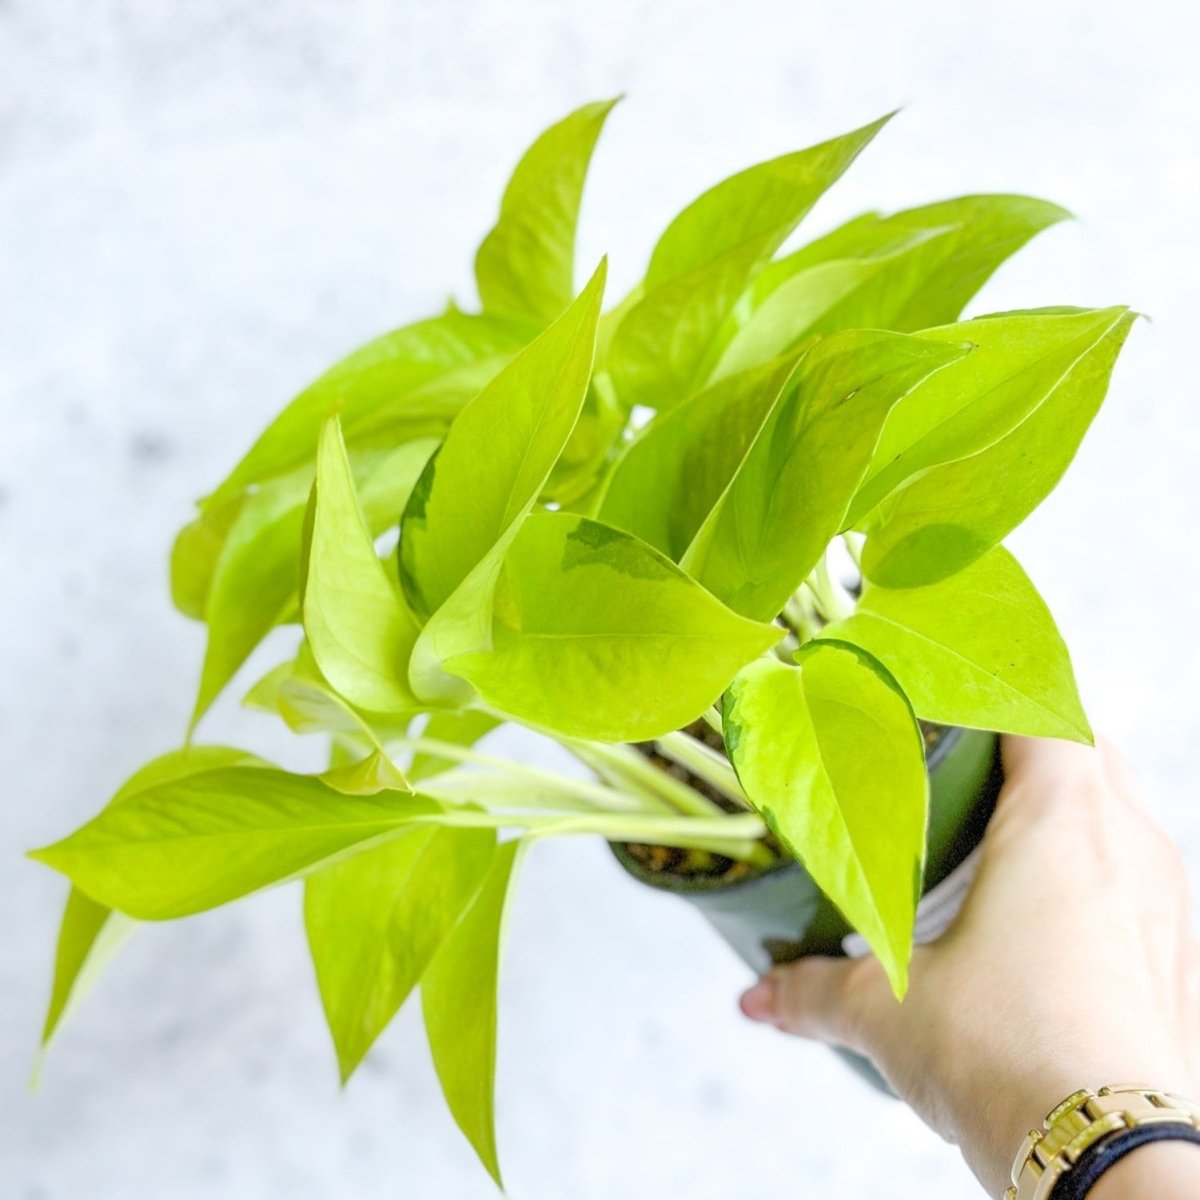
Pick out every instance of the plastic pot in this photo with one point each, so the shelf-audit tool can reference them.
(781, 914)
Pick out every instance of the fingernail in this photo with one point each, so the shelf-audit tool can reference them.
(758, 1002)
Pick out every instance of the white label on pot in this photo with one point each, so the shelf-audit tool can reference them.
(939, 906)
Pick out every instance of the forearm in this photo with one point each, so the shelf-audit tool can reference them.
(1159, 1171)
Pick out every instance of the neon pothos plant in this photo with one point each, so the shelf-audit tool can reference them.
(612, 524)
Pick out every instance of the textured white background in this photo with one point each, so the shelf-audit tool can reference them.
(201, 204)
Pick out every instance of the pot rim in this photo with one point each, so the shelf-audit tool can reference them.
(666, 881)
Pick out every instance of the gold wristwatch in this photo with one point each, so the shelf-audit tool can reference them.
(1082, 1120)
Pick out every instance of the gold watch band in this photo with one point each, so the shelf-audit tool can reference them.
(1079, 1122)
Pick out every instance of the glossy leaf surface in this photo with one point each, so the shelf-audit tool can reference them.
(394, 376)
(357, 624)
(910, 271)
(978, 649)
(704, 261)
(597, 635)
(189, 844)
(525, 266)
(790, 494)
(951, 514)
(375, 920)
(830, 754)
(458, 999)
(470, 500)
(91, 933)
(673, 474)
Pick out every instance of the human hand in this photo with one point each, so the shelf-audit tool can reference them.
(1072, 964)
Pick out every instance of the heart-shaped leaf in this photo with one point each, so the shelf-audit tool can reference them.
(374, 922)
(950, 515)
(704, 261)
(458, 999)
(830, 754)
(978, 649)
(597, 635)
(525, 266)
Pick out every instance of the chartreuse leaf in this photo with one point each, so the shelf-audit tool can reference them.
(303, 697)
(978, 649)
(255, 581)
(367, 776)
(375, 920)
(1019, 360)
(905, 272)
(703, 262)
(462, 728)
(358, 627)
(497, 455)
(525, 266)
(830, 754)
(458, 1000)
(598, 635)
(789, 496)
(89, 936)
(189, 844)
(672, 474)
(195, 553)
(393, 376)
(91, 933)
(474, 493)
(951, 514)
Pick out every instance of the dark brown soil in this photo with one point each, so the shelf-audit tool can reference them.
(679, 861)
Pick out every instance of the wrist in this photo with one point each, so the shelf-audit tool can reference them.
(1090, 1132)
(1001, 1104)
(1161, 1170)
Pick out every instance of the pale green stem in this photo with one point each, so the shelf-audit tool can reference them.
(854, 543)
(712, 718)
(634, 766)
(497, 786)
(833, 600)
(801, 611)
(733, 836)
(537, 776)
(704, 762)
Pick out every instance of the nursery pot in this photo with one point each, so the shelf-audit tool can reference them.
(780, 914)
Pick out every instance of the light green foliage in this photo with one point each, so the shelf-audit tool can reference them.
(830, 753)
(375, 920)
(1020, 362)
(951, 514)
(790, 494)
(463, 728)
(359, 629)
(705, 260)
(89, 936)
(194, 555)
(978, 649)
(458, 999)
(497, 455)
(469, 503)
(188, 844)
(91, 933)
(597, 635)
(672, 475)
(476, 520)
(525, 266)
(905, 272)
(403, 382)
(366, 776)
(253, 575)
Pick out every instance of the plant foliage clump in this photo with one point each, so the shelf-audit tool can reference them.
(612, 523)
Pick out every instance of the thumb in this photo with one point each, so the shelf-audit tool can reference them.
(828, 999)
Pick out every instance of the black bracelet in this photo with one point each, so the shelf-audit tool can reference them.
(1096, 1159)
